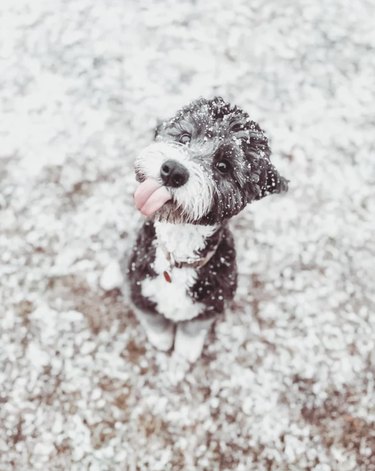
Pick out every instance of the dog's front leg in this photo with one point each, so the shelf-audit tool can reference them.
(190, 337)
(159, 330)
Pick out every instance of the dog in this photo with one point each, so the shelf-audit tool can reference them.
(205, 165)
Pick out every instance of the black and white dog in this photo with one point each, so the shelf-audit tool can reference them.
(207, 163)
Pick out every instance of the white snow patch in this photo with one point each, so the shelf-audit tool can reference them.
(111, 277)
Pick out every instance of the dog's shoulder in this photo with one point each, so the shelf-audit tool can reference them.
(217, 280)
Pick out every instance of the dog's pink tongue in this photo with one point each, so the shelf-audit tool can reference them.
(150, 196)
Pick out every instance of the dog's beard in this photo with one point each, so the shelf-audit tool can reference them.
(190, 202)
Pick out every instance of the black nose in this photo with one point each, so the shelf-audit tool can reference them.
(173, 174)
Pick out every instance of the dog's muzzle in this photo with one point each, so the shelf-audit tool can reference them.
(168, 174)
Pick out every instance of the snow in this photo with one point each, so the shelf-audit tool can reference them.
(111, 277)
(287, 379)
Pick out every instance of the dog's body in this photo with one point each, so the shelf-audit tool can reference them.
(207, 163)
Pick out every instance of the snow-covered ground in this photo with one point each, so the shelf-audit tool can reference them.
(287, 380)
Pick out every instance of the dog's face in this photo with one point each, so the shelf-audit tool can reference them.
(206, 164)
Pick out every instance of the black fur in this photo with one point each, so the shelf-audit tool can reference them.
(141, 266)
(217, 280)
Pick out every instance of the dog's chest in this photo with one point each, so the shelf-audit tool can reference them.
(181, 243)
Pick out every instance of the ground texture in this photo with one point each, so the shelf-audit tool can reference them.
(286, 381)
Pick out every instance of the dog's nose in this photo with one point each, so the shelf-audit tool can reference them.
(173, 174)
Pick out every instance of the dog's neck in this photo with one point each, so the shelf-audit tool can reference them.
(187, 243)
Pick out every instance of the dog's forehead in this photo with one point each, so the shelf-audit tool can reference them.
(207, 119)
(214, 124)
(213, 120)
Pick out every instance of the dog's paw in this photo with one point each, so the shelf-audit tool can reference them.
(159, 331)
(189, 346)
(161, 339)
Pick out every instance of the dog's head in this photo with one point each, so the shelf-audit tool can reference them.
(207, 163)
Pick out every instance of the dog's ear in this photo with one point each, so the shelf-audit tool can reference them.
(266, 179)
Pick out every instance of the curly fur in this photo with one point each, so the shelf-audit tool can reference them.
(227, 156)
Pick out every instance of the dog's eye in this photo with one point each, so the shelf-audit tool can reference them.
(223, 166)
(237, 127)
(185, 138)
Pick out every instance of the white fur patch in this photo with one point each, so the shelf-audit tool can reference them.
(189, 346)
(182, 241)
